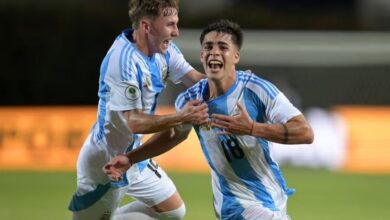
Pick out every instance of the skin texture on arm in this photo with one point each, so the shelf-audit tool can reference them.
(159, 143)
(194, 112)
(192, 77)
(295, 131)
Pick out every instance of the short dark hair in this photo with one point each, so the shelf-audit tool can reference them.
(227, 27)
(139, 9)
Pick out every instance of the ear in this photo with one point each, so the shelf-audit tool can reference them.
(236, 57)
(145, 25)
(201, 55)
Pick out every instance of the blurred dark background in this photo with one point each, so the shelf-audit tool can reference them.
(52, 50)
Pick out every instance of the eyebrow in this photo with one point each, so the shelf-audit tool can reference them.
(219, 43)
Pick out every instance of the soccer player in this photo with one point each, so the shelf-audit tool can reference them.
(247, 114)
(132, 75)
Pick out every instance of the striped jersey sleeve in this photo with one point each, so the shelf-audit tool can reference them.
(121, 76)
(177, 65)
(278, 109)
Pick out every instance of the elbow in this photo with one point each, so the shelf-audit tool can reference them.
(183, 136)
(309, 135)
(181, 133)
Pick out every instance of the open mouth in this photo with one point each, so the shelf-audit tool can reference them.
(166, 42)
(215, 64)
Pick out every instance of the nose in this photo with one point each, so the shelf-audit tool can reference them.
(215, 50)
(175, 32)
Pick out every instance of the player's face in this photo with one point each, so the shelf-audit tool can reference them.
(219, 55)
(163, 29)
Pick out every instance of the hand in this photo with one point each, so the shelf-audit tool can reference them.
(117, 167)
(240, 124)
(195, 112)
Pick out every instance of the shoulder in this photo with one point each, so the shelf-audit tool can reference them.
(173, 48)
(193, 92)
(124, 45)
(257, 84)
(198, 87)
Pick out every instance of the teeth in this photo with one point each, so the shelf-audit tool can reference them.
(214, 62)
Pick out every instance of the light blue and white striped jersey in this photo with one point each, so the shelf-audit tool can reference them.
(243, 172)
(131, 80)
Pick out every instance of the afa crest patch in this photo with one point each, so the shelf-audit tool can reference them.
(132, 92)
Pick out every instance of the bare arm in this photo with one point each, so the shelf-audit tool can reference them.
(192, 77)
(194, 112)
(295, 131)
(158, 144)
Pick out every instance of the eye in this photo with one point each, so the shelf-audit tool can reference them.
(223, 47)
(172, 24)
(207, 47)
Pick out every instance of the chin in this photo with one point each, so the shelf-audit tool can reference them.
(163, 49)
(213, 74)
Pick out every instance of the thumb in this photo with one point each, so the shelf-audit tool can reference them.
(242, 110)
(240, 107)
(107, 167)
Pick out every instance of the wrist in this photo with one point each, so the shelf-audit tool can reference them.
(252, 128)
(179, 119)
(129, 159)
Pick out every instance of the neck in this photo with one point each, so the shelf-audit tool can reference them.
(218, 87)
(140, 40)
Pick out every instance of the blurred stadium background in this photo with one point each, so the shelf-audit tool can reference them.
(330, 57)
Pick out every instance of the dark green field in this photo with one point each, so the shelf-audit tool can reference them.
(321, 195)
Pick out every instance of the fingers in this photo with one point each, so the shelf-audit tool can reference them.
(112, 173)
(224, 132)
(220, 121)
(239, 105)
(195, 102)
(195, 112)
(242, 110)
(200, 107)
(219, 117)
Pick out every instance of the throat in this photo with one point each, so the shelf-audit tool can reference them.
(215, 90)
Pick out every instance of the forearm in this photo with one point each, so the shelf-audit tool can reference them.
(141, 123)
(194, 112)
(158, 144)
(295, 131)
(192, 77)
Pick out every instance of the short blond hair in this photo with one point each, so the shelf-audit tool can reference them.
(151, 9)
